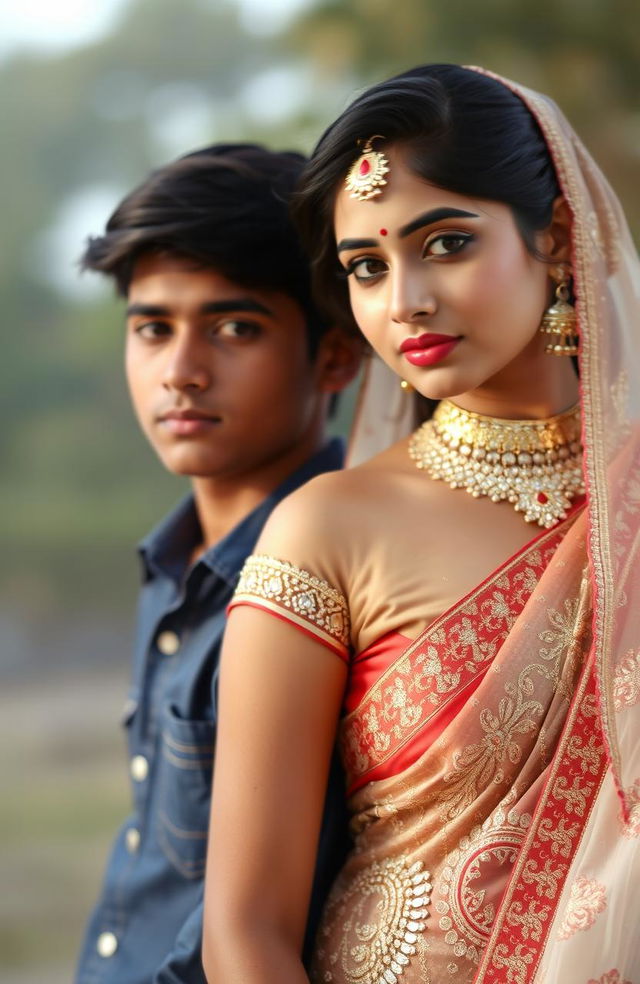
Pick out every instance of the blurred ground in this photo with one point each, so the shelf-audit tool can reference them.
(65, 767)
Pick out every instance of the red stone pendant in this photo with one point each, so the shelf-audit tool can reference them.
(366, 177)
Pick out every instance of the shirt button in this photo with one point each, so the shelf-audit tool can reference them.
(168, 643)
(132, 839)
(139, 768)
(107, 944)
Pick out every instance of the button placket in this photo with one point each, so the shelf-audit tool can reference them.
(107, 944)
(139, 767)
(168, 642)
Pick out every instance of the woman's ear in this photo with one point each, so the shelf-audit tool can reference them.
(338, 359)
(557, 235)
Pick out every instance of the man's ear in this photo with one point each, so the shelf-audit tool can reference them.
(557, 235)
(338, 359)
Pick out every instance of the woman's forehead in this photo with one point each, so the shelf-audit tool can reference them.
(404, 198)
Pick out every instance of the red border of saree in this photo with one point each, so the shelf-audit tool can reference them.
(528, 907)
(448, 658)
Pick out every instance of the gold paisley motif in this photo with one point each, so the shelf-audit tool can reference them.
(381, 914)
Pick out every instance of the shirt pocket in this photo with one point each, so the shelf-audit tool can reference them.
(184, 791)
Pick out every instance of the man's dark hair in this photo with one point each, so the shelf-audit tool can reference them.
(224, 207)
(461, 130)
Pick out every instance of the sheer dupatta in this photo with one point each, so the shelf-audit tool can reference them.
(581, 929)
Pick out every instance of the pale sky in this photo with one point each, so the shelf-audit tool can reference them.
(56, 25)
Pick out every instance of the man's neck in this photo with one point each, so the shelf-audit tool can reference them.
(224, 501)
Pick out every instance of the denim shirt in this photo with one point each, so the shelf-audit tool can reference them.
(147, 926)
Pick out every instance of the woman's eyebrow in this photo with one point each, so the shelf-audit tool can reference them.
(434, 215)
(356, 244)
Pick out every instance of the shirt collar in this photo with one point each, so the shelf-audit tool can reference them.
(166, 550)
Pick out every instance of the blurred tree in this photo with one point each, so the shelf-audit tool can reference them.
(79, 484)
(584, 53)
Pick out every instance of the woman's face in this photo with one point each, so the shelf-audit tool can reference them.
(442, 285)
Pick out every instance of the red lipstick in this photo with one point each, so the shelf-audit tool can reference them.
(428, 349)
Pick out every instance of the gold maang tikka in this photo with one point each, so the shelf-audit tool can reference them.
(366, 177)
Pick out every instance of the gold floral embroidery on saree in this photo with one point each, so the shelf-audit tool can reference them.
(587, 899)
(545, 858)
(611, 977)
(626, 681)
(308, 601)
(631, 827)
(518, 712)
(466, 915)
(450, 655)
(381, 914)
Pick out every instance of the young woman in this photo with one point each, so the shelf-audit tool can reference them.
(456, 606)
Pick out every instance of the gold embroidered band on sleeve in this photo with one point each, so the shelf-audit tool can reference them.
(301, 598)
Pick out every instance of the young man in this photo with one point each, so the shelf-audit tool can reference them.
(230, 371)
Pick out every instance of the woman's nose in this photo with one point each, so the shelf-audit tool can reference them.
(411, 297)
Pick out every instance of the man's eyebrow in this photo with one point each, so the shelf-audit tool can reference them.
(434, 215)
(248, 304)
(356, 244)
(242, 304)
(147, 310)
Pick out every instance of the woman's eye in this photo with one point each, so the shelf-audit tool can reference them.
(446, 244)
(366, 269)
(238, 329)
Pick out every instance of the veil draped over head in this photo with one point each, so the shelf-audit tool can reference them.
(606, 276)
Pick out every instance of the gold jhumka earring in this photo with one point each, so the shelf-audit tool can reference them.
(559, 321)
(366, 176)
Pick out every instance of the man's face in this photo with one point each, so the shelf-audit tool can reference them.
(219, 375)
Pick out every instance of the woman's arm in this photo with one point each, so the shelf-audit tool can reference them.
(280, 696)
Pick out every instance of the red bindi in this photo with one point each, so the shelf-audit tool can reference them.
(383, 232)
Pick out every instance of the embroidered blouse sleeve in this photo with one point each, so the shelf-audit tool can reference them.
(307, 602)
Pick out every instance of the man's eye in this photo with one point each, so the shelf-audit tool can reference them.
(366, 269)
(237, 329)
(152, 330)
(446, 243)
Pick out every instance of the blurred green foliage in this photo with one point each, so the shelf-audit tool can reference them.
(583, 53)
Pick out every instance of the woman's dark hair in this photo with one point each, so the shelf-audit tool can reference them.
(225, 207)
(460, 130)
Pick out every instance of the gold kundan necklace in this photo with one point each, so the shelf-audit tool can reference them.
(534, 464)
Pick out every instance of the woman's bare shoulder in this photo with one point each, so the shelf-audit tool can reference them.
(329, 498)
(319, 526)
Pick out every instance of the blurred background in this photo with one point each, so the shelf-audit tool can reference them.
(94, 94)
